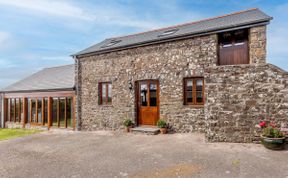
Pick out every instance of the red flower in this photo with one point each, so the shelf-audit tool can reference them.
(262, 124)
(272, 124)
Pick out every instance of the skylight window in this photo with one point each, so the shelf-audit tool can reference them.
(111, 43)
(168, 32)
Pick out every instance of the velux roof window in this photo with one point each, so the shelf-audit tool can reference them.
(111, 43)
(168, 32)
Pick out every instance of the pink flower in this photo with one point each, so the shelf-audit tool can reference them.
(262, 124)
(272, 124)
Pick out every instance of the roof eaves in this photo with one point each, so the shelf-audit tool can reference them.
(38, 90)
(175, 37)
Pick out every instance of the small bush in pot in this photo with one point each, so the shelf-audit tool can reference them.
(128, 124)
(162, 125)
(272, 138)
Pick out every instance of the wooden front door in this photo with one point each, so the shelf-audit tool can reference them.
(148, 102)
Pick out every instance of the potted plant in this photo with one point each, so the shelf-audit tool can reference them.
(128, 124)
(272, 138)
(162, 125)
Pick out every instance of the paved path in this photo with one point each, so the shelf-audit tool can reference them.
(112, 154)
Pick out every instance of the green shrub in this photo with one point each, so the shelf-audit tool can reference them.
(127, 122)
(272, 132)
(13, 133)
(161, 124)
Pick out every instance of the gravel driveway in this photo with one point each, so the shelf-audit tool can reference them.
(113, 154)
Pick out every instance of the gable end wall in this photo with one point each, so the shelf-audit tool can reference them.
(167, 62)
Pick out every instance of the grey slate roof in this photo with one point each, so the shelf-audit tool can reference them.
(237, 19)
(55, 78)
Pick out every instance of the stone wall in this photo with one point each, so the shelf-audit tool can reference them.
(13, 125)
(77, 97)
(239, 97)
(168, 62)
(17, 125)
(257, 45)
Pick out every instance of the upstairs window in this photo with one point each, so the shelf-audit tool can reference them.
(194, 91)
(105, 93)
(233, 47)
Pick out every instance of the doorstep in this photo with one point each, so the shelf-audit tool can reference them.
(149, 130)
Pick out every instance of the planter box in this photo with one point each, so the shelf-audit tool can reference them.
(273, 143)
(285, 131)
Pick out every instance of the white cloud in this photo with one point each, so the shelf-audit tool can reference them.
(102, 13)
(50, 7)
(4, 64)
(4, 37)
(7, 42)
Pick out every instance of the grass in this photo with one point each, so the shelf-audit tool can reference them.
(6, 134)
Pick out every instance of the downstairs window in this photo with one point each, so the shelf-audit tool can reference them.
(105, 93)
(194, 91)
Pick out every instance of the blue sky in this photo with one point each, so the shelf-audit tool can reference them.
(42, 33)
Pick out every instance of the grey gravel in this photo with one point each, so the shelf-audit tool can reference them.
(115, 154)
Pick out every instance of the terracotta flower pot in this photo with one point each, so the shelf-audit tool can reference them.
(163, 130)
(127, 129)
(273, 143)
